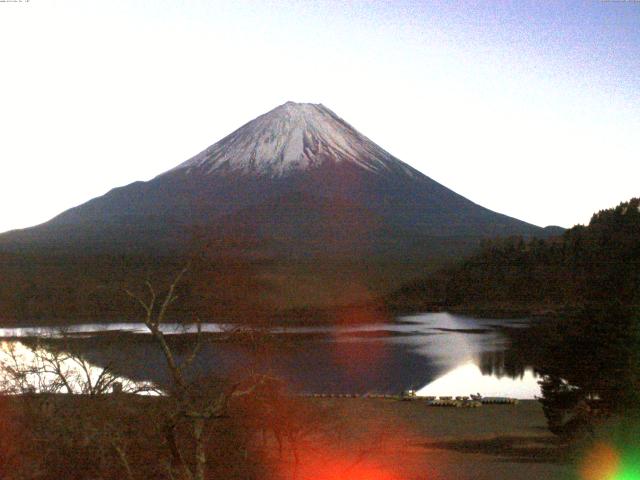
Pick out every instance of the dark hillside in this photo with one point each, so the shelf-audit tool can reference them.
(586, 264)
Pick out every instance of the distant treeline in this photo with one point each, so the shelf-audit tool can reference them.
(587, 264)
(44, 288)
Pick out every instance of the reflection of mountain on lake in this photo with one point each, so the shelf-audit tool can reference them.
(413, 352)
(468, 378)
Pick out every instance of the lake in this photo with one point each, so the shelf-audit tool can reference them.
(433, 353)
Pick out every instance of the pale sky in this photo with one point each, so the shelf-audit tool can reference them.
(528, 108)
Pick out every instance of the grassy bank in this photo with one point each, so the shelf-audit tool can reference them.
(351, 438)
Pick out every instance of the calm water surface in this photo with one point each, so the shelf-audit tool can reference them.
(434, 353)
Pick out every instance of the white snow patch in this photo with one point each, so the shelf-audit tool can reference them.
(293, 136)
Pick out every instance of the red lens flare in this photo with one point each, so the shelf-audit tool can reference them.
(328, 464)
(353, 351)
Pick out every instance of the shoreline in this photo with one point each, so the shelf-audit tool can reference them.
(390, 317)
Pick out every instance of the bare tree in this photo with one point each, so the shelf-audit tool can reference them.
(47, 368)
(93, 422)
(192, 402)
(58, 427)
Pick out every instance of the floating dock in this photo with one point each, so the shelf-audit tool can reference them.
(442, 401)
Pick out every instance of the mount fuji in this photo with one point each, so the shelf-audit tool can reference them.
(296, 183)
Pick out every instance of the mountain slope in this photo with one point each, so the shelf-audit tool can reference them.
(295, 211)
(241, 185)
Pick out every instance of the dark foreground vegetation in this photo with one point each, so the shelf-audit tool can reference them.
(50, 436)
(123, 436)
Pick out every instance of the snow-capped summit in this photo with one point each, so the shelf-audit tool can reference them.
(293, 136)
